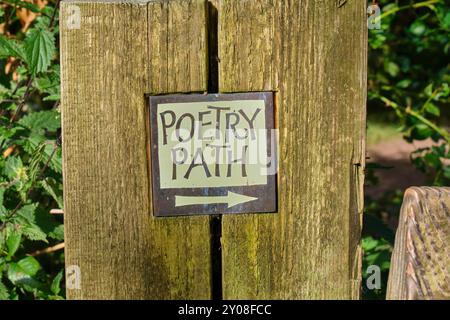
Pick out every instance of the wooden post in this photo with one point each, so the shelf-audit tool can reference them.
(313, 55)
(121, 51)
(420, 263)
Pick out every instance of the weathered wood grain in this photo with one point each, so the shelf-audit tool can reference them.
(123, 50)
(420, 263)
(313, 54)
(178, 63)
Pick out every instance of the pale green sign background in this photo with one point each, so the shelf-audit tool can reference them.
(209, 147)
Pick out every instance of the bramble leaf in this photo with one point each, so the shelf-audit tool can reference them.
(56, 283)
(26, 217)
(11, 48)
(13, 242)
(39, 49)
(4, 294)
(14, 168)
(29, 265)
(52, 188)
(22, 273)
(38, 122)
(23, 4)
(432, 109)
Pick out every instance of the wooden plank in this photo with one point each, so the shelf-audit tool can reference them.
(179, 62)
(123, 50)
(314, 55)
(420, 263)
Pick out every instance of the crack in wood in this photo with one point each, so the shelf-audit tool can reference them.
(340, 3)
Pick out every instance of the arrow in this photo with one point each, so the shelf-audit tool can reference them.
(232, 199)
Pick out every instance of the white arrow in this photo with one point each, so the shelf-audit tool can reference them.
(232, 199)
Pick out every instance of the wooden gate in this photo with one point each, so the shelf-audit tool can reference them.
(311, 54)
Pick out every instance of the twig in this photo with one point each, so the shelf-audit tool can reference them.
(54, 248)
(22, 102)
(52, 20)
(56, 211)
(432, 96)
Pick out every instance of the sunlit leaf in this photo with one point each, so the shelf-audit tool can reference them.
(13, 242)
(40, 49)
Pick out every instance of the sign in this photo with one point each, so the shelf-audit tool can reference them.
(213, 154)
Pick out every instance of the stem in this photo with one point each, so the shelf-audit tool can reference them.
(444, 134)
(415, 6)
(52, 20)
(54, 248)
(437, 177)
(24, 99)
(432, 96)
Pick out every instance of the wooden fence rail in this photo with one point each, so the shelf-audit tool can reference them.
(420, 264)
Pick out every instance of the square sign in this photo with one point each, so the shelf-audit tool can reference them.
(213, 154)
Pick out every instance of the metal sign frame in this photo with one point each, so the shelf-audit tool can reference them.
(212, 200)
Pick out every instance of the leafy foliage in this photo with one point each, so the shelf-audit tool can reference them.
(409, 78)
(30, 159)
(409, 73)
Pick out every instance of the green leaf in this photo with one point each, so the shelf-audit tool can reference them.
(56, 283)
(2, 244)
(30, 6)
(11, 48)
(433, 160)
(392, 68)
(404, 83)
(445, 20)
(51, 187)
(29, 265)
(35, 141)
(49, 225)
(26, 217)
(39, 49)
(23, 4)
(49, 83)
(52, 97)
(43, 120)
(13, 242)
(421, 132)
(447, 172)
(57, 233)
(26, 213)
(2, 207)
(34, 233)
(429, 90)
(432, 109)
(418, 28)
(14, 168)
(22, 274)
(445, 92)
(369, 243)
(4, 294)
